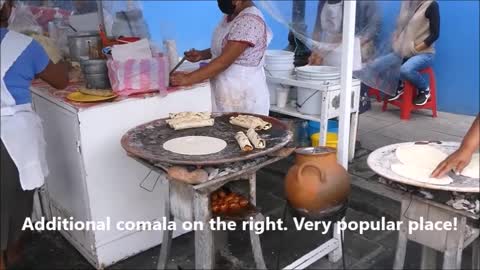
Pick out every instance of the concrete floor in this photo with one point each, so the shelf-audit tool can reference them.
(372, 250)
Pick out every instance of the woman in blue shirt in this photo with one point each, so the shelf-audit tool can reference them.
(22, 146)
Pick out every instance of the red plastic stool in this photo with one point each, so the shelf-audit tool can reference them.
(405, 102)
(375, 93)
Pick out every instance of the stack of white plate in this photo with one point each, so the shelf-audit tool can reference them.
(278, 63)
(309, 100)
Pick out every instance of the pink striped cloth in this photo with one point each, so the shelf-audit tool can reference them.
(136, 76)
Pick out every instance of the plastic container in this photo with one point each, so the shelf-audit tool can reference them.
(282, 96)
(332, 139)
(314, 127)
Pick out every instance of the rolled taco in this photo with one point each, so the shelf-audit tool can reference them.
(193, 124)
(248, 121)
(256, 140)
(243, 142)
(192, 118)
(203, 115)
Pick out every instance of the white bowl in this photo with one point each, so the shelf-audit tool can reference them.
(318, 70)
(312, 78)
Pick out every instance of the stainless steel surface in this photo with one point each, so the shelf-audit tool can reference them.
(178, 65)
(78, 44)
(97, 81)
(95, 66)
(320, 150)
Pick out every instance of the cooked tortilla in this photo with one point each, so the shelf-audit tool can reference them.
(256, 140)
(422, 156)
(195, 145)
(243, 141)
(192, 124)
(248, 121)
(96, 92)
(419, 174)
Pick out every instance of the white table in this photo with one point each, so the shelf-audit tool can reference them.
(91, 178)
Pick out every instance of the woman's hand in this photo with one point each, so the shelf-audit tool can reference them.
(457, 161)
(420, 47)
(194, 55)
(460, 158)
(180, 79)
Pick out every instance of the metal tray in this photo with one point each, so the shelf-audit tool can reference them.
(146, 141)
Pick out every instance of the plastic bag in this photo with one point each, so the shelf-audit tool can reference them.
(137, 76)
(24, 21)
(124, 18)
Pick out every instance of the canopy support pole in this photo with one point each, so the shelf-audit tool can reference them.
(346, 81)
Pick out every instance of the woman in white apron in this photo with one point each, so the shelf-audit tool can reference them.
(23, 165)
(237, 52)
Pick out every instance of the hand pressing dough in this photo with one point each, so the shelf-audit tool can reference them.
(473, 170)
(195, 145)
(419, 174)
(422, 156)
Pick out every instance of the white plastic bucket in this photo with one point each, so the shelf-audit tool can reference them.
(279, 53)
(309, 101)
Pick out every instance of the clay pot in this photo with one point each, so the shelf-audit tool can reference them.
(316, 181)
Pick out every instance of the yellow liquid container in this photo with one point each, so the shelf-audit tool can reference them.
(332, 139)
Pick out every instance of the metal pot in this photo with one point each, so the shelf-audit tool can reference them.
(78, 44)
(94, 66)
(97, 81)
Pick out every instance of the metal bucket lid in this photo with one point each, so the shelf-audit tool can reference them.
(319, 150)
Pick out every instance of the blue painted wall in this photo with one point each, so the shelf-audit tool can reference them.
(191, 23)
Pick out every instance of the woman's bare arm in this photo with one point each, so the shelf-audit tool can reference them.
(231, 51)
(55, 74)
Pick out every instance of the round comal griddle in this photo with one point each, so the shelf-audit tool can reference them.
(381, 160)
(146, 141)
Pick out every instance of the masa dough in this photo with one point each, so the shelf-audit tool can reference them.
(195, 145)
(419, 174)
(473, 169)
(422, 156)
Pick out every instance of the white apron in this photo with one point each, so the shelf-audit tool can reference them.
(239, 88)
(21, 128)
(332, 18)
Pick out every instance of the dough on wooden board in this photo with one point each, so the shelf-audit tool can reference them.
(422, 156)
(195, 145)
(419, 174)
